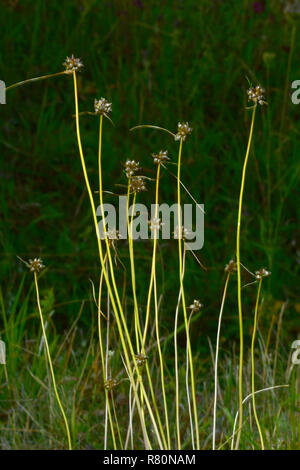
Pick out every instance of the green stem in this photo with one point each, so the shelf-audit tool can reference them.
(216, 360)
(238, 260)
(50, 363)
(253, 365)
(183, 300)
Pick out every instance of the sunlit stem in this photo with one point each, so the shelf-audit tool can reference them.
(238, 260)
(137, 327)
(183, 299)
(216, 360)
(104, 369)
(177, 389)
(50, 363)
(120, 319)
(153, 261)
(253, 365)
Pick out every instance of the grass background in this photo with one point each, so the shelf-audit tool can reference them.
(158, 62)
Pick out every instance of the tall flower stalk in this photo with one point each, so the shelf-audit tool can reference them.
(36, 266)
(259, 276)
(256, 96)
(229, 269)
(183, 131)
(116, 304)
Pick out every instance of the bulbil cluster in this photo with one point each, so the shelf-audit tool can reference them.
(131, 167)
(257, 95)
(196, 306)
(102, 106)
(137, 184)
(72, 64)
(230, 267)
(263, 272)
(111, 384)
(141, 360)
(182, 233)
(155, 224)
(160, 157)
(35, 265)
(183, 130)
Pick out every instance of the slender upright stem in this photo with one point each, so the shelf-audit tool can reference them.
(50, 363)
(137, 327)
(183, 298)
(238, 260)
(253, 365)
(120, 320)
(153, 260)
(104, 366)
(161, 363)
(216, 360)
(177, 393)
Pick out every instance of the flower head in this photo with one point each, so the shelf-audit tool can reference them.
(35, 265)
(137, 184)
(141, 359)
(183, 129)
(182, 233)
(160, 157)
(196, 306)
(262, 273)
(131, 167)
(112, 235)
(257, 95)
(155, 224)
(72, 64)
(110, 384)
(230, 267)
(102, 106)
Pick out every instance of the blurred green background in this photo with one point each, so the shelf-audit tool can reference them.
(158, 62)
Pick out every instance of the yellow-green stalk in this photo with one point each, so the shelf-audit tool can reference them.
(119, 320)
(239, 280)
(183, 298)
(36, 265)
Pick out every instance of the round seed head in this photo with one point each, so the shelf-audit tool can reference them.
(230, 267)
(35, 265)
(262, 273)
(131, 167)
(112, 236)
(160, 157)
(110, 384)
(155, 224)
(141, 359)
(137, 184)
(183, 130)
(102, 106)
(257, 95)
(196, 306)
(182, 233)
(72, 64)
